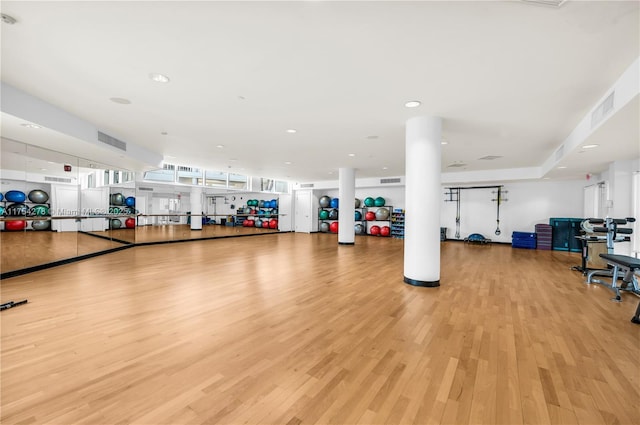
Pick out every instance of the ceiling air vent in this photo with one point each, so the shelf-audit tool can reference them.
(490, 157)
(112, 141)
(391, 180)
(306, 185)
(456, 165)
(57, 179)
(146, 188)
(602, 110)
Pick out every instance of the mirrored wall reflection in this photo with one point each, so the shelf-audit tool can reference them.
(51, 205)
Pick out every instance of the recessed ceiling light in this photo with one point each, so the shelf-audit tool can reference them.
(444, 142)
(159, 78)
(590, 146)
(43, 169)
(292, 130)
(287, 162)
(219, 146)
(233, 159)
(412, 104)
(562, 167)
(164, 133)
(29, 125)
(385, 168)
(169, 156)
(352, 154)
(120, 100)
(330, 172)
(50, 162)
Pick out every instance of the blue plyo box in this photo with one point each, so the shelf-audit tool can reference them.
(525, 240)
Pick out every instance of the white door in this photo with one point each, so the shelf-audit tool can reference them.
(64, 202)
(303, 217)
(285, 220)
(94, 201)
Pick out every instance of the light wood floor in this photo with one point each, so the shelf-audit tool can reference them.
(292, 329)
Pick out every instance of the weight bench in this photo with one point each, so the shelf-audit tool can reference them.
(621, 264)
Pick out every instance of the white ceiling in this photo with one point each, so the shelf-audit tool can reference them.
(509, 79)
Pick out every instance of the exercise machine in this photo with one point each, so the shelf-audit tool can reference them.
(454, 195)
(621, 265)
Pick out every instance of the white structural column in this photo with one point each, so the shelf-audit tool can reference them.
(196, 208)
(422, 201)
(347, 196)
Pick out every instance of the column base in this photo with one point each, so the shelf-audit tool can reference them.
(423, 283)
(346, 243)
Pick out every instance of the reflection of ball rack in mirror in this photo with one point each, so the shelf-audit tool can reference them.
(20, 211)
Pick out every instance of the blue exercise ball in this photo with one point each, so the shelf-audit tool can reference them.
(274, 203)
(358, 215)
(325, 202)
(1, 197)
(38, 196)
(334, 203)
(130, 201)
(15, 196)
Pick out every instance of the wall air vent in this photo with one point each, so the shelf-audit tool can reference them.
(490, 157)
(112, 141)
(306, 185)
(602, 110)
(149, 189)
(57, 179)
(391, 180)
(456, 165)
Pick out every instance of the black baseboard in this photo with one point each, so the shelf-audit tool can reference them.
(422, 283)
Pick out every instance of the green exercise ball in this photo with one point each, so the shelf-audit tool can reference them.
(369, 202)
(379, 202)
(324, 215)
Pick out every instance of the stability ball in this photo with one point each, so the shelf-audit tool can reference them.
(385, 231)
(370, 216)
(273, 223)
(375, 230)
(41, 224)
(357, 203)
(333, 227)
(115, 223)
(15, 225)
(258, 223)
(39, 210)
(369, 202)
(261, 204)
(333, 215)
(1, 197)
(250, 223)
(1, 210)
(324, 227)
(130, 201)
(17, 210)
(358, 215)
(274, 203)
(325, 202)
(379, 202)
(245, 223)
(15, 196)
(38, 196)
(117, 199)
(247, 210)
(359, 228)
(130, 223)
(334, 203)
(382, 214)
(324, 215)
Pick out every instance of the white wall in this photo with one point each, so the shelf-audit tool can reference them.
(528, 204)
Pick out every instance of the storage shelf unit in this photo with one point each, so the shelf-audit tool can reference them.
(564, 234)
(397, 224)
(370, 223)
